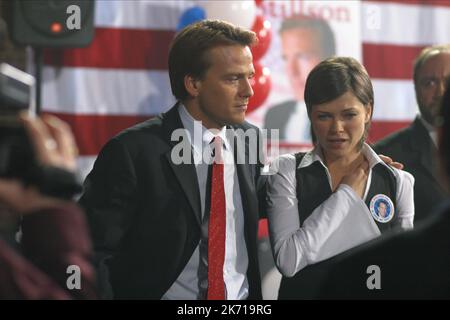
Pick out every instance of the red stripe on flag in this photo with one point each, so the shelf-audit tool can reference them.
(148, 49)
(390, 61)
(117, 48)
(93, 131)
(441, 3)
(380, 129)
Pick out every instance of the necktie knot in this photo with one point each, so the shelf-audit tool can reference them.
(217, 146)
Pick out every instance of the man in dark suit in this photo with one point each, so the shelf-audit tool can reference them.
(305, 41)
(151, 200)
(409, 265)
(415, 146)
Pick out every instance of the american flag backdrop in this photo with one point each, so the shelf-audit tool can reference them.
(122, 79)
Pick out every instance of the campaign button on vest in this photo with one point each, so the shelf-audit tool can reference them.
(382, 208)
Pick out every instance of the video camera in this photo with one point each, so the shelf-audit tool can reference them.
(17, 158)
(16, 155)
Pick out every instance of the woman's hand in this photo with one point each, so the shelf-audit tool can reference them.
(357, 178)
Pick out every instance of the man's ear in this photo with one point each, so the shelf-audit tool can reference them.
(192, 85)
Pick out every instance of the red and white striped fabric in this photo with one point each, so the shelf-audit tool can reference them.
(121, 78)
(404, 28)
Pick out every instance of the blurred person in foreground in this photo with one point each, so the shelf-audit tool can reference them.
(55, 243)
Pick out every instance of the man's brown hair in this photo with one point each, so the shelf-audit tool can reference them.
(188, 51)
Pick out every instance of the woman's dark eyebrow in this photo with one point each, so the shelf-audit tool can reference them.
(349, 109)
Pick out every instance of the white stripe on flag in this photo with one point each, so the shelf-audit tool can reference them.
(140, 14)
(106, 91)
(394, 100)
(404, 24)
(92, 91)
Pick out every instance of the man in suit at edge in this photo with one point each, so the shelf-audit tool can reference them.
(415, 146)
(410, 265)
(149, 215)
(305, 41)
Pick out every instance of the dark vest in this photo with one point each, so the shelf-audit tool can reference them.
(313, 189)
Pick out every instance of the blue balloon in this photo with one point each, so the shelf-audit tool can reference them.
(191, 15)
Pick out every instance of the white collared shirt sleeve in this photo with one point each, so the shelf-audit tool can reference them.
(338, 224)
(404, 199)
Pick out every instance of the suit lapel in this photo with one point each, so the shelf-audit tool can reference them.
(246, 183)
(185, 173)
(187, 176)
(424, 148)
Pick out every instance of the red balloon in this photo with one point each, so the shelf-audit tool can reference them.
(263, 31)
(258, 2)
(261, 85)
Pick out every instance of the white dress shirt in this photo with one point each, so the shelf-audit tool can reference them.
(236, 257)
(341, 222)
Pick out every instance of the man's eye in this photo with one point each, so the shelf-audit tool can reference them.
(323, 116)
(350, 115)
(429, 83)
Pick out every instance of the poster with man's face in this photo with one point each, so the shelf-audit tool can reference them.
(303, 34)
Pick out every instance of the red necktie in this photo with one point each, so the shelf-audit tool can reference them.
(216, 227)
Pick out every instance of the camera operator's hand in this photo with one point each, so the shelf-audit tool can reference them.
(22, 199)
(53, 141)
(54, 146)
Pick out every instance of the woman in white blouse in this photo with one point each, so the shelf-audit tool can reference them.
(326, 201)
